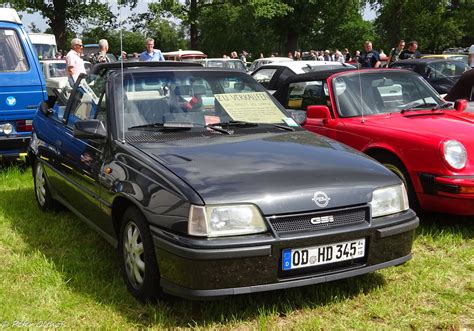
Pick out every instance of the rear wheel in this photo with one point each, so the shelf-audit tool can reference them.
(42, 191)
(138, 260)
(396, 166)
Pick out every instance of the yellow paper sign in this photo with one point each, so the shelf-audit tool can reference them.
(256, 107)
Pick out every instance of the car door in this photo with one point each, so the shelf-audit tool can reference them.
(80, 160)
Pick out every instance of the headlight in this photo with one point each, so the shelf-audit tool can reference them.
(231, 220)
(389, 200)
(454, 154)
(7, 128)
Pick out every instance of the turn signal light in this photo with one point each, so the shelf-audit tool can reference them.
(466, 190)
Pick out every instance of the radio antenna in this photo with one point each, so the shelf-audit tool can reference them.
(122, 108)
(360, 91)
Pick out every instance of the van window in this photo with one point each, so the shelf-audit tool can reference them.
(12, 56)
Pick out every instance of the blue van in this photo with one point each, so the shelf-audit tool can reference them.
(22, 85)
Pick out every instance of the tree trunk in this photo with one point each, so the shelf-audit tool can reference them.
(291, 41)
(193, 29)
(58, 24)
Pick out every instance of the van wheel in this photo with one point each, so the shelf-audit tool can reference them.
(42, 191)
(396, 166)
(138, 260)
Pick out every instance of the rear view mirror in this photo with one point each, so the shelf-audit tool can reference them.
(46, 108)
(89, 129)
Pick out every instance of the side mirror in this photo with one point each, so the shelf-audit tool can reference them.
(90, 129)
(45, 108)
(318, 112)
(460, 105)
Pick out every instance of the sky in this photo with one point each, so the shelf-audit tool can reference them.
(140, 8)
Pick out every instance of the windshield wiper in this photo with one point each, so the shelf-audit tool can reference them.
(415, 105)
(442, 106)
(243, 124)
(165, 126)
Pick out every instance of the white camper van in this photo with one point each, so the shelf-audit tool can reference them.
(45, 45)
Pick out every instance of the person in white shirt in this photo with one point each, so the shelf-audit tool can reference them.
(470, 59)
(74, 62)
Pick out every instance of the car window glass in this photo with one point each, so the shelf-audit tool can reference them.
(382, 93)
(198, 98)
(264, 76)
(57, 69)
(87, 96)
(12, 56)
(303, 94)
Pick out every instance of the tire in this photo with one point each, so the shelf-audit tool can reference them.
(137, 257)
(397, 167)
(42, 191)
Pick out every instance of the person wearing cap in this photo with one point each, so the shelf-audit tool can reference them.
(470, 59)
(74, 63)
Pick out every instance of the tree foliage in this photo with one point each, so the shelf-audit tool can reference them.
(435, 24)
(63, 15)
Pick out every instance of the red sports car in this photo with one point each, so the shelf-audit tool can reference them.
(396, 117)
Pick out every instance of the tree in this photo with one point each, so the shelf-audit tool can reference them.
(435, 24)
(64, 15)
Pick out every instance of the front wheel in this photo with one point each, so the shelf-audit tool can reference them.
(42, 191)
(138, 261)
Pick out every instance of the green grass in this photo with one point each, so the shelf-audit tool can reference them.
(54, 269)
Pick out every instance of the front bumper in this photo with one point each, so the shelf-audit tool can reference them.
(196, 268)
(14, 146)
(447, 194)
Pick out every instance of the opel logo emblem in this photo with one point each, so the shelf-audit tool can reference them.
(321, 199)
(11, 101)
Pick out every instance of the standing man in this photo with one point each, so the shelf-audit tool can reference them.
(151, 54)
(470, 59)
(395, 53)
(74, 62)
(411, 52)
(101, 56)
(369, 58)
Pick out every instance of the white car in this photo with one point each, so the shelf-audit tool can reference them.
(267, 60)
(55, 73)
(221, 62)
(273, 75)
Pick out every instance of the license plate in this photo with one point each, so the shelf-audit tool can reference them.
(296, 258)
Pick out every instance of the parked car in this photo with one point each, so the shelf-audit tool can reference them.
(55, 74)
(226, 63)
(44, 44)
(395, 117)
(454, 57)
(440, 73)
(272, 75)
(184, 55)
(214, 201)
(22, 87)
(266, 60)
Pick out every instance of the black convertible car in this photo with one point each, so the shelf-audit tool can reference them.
(209, 188)
(442, 74)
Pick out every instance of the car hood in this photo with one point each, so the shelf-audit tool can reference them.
(280, 173)
(441, 124)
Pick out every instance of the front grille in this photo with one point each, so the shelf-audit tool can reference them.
(326, 219)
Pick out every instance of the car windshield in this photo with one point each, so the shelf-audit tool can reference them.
(192, 99)
(382, 92)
